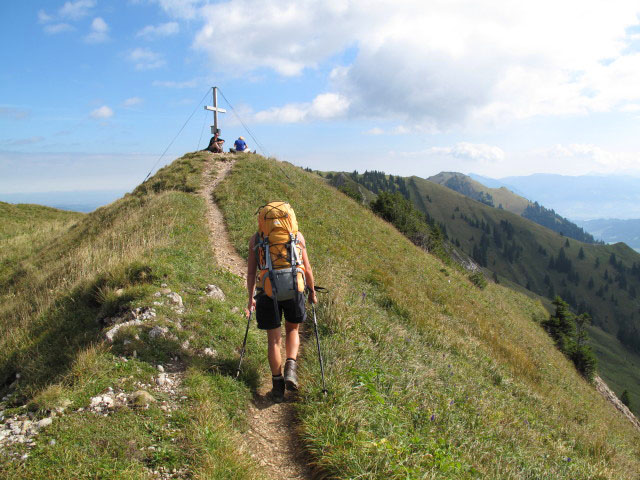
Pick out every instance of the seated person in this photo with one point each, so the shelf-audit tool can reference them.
(240, 146)
(216, 144)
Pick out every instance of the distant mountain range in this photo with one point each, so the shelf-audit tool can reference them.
(503, 198)
(584, 197)
(613, 230)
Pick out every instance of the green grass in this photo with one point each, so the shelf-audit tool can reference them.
(429, 376)
(112, 259)
(26, 228)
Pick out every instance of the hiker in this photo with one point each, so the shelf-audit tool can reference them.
(240, 146)
(276, 251)
(216, 144)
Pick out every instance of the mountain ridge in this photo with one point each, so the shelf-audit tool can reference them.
(427, 373)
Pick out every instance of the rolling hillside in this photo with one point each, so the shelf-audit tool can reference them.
(494, 197)
(428, 375)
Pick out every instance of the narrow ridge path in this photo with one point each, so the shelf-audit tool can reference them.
(272, 439)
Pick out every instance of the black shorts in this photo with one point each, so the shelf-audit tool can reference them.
(266, 312)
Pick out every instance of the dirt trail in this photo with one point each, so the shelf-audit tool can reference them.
(271, 440)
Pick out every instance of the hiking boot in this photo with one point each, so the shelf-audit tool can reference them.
(291, 374)
(277, 392)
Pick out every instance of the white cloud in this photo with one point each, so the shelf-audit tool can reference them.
(436, 64)
(102, 113)
(70, 11)
(145, 59)
(99, 31)
(476, 152)
(44, 17)
(590, 158)
(132, 102)
(76, 10)
(183, 9)
(323, 107)
(162, 30)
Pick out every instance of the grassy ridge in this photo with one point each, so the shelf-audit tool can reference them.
(429, 376)
(26, 228)
(113, 259)
(501, 196)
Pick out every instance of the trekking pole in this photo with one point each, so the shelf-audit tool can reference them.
(244, 344)
(315, 325)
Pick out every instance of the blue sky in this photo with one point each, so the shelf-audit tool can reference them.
(92, 92)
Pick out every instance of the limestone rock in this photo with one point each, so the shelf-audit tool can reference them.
(45, 422)
(210, 352)
(111, 333)
(213, 291)
(142, 398)
(175, 299)
(158, 331)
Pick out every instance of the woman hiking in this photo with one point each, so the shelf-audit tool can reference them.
(278, 270)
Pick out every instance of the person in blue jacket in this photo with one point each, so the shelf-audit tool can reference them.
(240, 145)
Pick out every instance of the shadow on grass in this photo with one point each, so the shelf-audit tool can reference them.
(51, 343)
(228, 366)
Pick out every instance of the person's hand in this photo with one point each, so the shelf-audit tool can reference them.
(312, 297)
(251, 306)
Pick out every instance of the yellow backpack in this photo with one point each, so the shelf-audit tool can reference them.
(280, 268)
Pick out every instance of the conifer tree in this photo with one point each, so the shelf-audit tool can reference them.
(624, 398)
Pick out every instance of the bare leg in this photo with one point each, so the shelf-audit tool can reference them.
(293, 339)
(275, 360)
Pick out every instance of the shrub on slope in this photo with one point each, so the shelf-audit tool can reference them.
(429, 376)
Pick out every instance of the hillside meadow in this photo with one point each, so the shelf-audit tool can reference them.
(429, 377)
(52, 303)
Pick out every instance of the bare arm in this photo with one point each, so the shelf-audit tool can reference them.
(252, 265)
(308, 273)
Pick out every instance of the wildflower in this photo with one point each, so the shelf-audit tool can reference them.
(451, 402)
(433, 417)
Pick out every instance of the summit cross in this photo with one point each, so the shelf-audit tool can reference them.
(215, 110)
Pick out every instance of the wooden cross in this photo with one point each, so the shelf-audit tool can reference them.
(215, 110)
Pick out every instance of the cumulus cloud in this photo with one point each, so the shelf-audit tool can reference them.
(473, 152)
(180, 9)
(146, 59)
(132, 102)
(70, 11)
(102, 113)
(436, 64)
(323, 107)
(76, 10)
(99, 31)
(151, 32)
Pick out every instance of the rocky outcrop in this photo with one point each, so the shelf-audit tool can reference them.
(612, 398)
